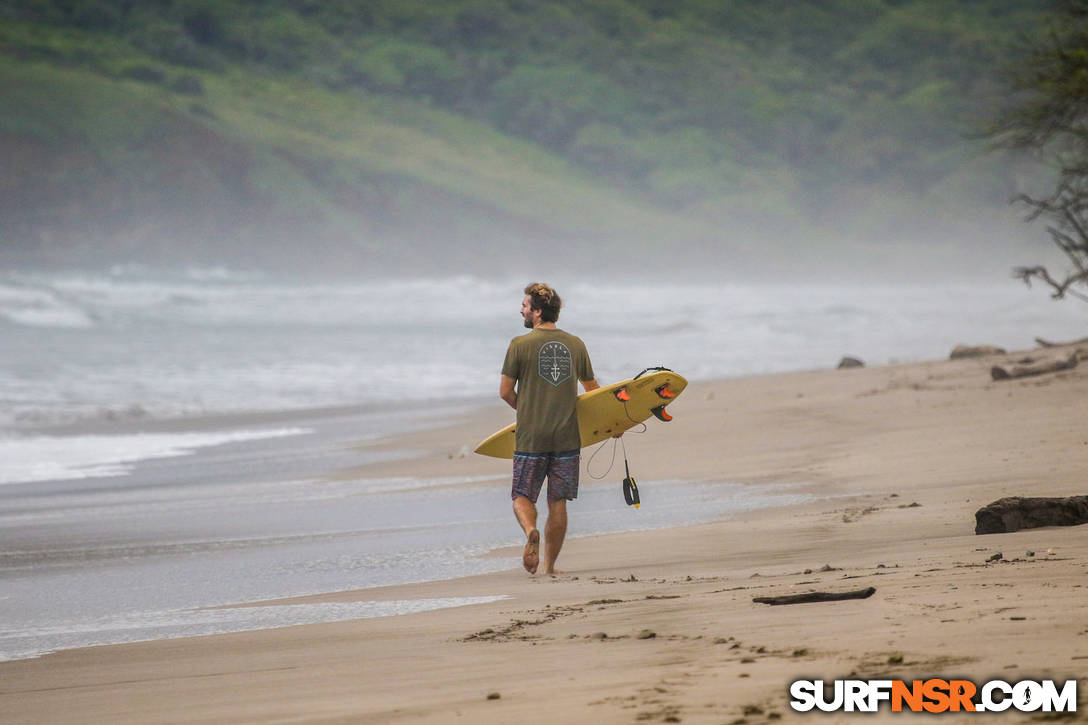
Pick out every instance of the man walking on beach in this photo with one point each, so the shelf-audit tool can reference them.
(545, 365)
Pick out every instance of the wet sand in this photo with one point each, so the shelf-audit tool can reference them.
(660, 626)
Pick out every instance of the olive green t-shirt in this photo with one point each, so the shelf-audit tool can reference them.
(547, 365)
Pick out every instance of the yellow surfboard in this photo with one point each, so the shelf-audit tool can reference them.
(606, 411)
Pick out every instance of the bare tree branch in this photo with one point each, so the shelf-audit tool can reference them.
(1048, 115)
(1061, 289)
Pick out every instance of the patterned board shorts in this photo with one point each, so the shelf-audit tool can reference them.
(561, 469)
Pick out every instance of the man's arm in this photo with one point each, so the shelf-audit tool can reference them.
(507, 392)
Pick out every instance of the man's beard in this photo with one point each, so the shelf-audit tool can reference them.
(528, 322)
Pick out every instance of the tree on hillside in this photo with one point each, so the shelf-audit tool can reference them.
(1049, 116)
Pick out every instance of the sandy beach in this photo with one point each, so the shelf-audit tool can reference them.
(660, 626)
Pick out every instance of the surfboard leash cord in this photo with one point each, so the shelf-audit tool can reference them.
(628, 485)
(612, 462)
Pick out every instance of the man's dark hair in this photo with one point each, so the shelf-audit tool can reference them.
(544, 298)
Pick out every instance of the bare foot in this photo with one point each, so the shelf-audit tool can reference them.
(553, 572)
(530, 557)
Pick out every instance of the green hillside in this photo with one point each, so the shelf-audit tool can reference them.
(438, 134)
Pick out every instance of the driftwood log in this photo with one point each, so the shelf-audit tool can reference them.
(1031, 366)
(817, 597)
(1015, 512)
(966, 351)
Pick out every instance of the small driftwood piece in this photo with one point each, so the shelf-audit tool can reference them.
(1049, 343)
(817, 597)
(1033, 367)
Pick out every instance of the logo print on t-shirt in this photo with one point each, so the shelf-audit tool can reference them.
(554, 362)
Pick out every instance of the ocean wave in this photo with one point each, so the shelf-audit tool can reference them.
(36, 415)
(40, 639)
(48, 317)
(224, 297)
(50, 458)
(33, 305)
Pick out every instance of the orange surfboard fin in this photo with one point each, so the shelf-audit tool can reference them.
(660, 414)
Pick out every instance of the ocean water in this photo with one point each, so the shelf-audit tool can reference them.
(153, 555)
(130, 505)
(134, 346)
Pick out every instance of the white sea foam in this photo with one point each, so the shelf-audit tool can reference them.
(147, 626)
(45, 458)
